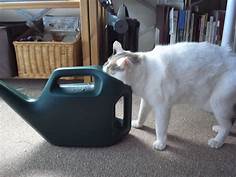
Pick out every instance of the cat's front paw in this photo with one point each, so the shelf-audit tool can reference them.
(158, 145)
(136, 124)
(213, 143)
(216, 128)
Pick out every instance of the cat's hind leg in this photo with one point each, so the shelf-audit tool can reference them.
(216, 128)
(144, 110)
(222, 103)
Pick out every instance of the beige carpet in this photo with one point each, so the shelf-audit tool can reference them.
(23, 153)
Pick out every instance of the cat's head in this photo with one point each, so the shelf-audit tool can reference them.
(121, 63)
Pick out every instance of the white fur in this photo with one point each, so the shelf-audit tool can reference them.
(200, 74)
(121, 61)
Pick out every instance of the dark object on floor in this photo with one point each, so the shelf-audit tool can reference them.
(8, 33)
(77, 114)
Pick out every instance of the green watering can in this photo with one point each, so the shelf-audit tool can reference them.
(75, 114)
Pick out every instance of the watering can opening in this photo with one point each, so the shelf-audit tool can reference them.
(119, 111)
(75, 85)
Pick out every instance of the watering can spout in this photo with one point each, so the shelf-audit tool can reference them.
(16, 100)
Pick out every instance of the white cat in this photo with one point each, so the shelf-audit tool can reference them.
(200, 74)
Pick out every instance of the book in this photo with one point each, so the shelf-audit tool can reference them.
(210, 35)
(181, 25)
(187, 25)
(203, 27)
(162, 23)
(219, 16)
(217, 33)
(196, 27)
(207, 32)
(173, 19)
(191, 27)
(213, 32)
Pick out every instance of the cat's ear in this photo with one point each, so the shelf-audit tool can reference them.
(117, 48)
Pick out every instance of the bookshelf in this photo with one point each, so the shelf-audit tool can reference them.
(195, 21)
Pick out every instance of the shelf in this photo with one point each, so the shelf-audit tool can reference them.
(92, 17)
(40, 4)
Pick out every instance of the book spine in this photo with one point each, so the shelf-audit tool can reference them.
(173, 25)
(219, 19)
(191, 27)
(217, 33)
(202, 25)
(187, 26)
(213, 32)
(181, 24)
(205, 26)
(176, 17)
(207, 32)
(210, 33)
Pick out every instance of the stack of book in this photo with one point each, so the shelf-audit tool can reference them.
(177, 25)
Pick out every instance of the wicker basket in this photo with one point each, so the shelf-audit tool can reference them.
(39, 59)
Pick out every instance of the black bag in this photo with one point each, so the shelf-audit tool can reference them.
(120, 28)
(128, 40)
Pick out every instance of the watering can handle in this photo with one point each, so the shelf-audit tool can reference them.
(74, 71)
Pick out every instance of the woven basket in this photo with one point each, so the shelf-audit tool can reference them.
(39, 59)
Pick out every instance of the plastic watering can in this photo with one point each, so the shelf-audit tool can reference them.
(76, 114)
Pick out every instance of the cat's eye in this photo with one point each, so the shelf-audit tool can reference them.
(117, 68)
(106, 63)
(112, 72)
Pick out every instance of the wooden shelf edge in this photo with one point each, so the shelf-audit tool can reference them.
(40, 4)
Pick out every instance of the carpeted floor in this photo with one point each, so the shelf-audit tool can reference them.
(23, 153)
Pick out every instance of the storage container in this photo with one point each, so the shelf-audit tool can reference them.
(39, 59)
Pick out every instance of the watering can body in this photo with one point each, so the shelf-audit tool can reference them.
(76, 114)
